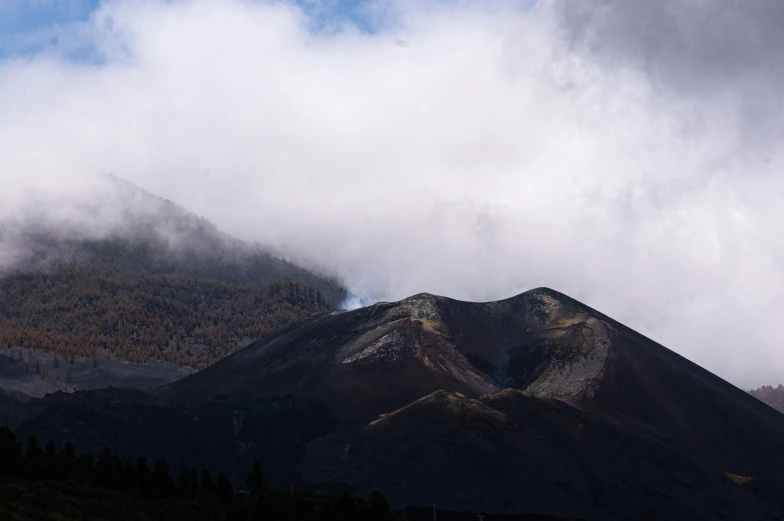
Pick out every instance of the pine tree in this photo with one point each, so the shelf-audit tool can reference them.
(183, 483)
(206, 482)
(378, 507)
(51, 462)
(116, 471)
(85, 468)
(193, 479)
(34, 457)
(11, 457)
(163, 484)
(255, 480)
(224, 489)
(103, 467)
(128, 476)
(68, 461)
(346, 506)
(189, 481)
(142, 476)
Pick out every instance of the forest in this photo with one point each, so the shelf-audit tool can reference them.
(44, 483)
(145, 317)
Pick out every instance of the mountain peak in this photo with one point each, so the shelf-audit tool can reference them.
(129, 230)
(387, 393)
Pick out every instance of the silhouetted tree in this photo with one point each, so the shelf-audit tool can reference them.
(85, 467)
(128, 476)
(34, 457)
(378, 508)
(143, 477)
(183, 482)
(163, 484)
(189, 481)
(68, 461)
(103, 468)
(193, 480)
(346, 506)
(12, 460)
(116, 471)
(224, 489)
(255, 480)
(51, 462)
(206, 482)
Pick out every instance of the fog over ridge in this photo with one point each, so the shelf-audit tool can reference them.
(625, 153)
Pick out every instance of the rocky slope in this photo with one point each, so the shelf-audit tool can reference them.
(142, 279)
(378, 358)
(535, 404)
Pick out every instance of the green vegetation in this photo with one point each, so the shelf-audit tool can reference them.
(145, 318)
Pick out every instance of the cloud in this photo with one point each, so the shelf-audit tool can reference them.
(626, 153)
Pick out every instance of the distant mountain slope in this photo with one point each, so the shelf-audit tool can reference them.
(145, 318)
(536, 404)
(773, 396)
(147, 235)
(139, 277)
(27, 374)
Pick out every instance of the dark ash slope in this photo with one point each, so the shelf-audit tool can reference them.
(375, 359)
(534, 404)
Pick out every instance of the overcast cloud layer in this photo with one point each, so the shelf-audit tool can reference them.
(627, 153)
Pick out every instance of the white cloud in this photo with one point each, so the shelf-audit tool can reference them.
(464, 150)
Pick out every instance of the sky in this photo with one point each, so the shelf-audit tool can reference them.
(625, 152)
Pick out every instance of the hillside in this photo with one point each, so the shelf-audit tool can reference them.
(508, 452)
(536, 404)
(773, 396)
(143, 280)
(146, 234)
(381, 357)
(58, 483)
(27, 374)
(145, 318)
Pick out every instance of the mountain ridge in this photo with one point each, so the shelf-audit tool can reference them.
(152, 235)
(139, 277)
(510, 390)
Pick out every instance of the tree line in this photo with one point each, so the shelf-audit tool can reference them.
(147, 479)
(154, 481)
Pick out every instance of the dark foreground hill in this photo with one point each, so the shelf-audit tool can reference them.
(532, 405)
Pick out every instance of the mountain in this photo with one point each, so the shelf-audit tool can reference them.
(536, 404)
(381, 357)
(146, 234)
(143, 317)
(507, 452)
(773, 396)
(144, 280)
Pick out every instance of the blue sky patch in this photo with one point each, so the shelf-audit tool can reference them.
(30, 27)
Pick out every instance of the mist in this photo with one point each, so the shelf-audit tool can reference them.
(625, 153)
